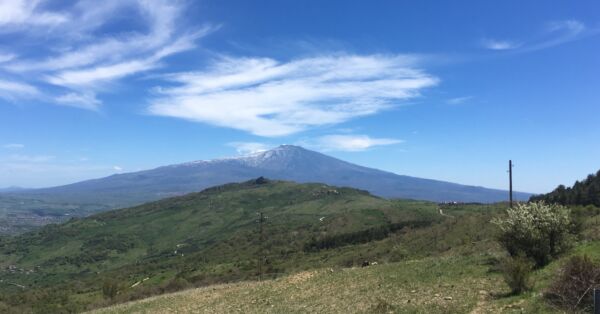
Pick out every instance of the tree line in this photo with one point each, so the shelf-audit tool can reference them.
(363, 236)
(586, 192)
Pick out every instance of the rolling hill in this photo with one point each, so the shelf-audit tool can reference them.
(213, 237)
(206, 237)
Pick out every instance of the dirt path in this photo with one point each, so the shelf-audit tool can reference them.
(481, 303)
(445, 215)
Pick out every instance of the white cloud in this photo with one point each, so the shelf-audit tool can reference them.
(560, 32)
(458, 100)
(79, 100)
(494, 44)
(245, 148)
(351, 143)
(31, 158)
(13, 146)
(81, 61)
(95, 75)
(4, 57)
(117, 168)
(11, 90)
(27, 13)
(270, 98)
(555, 33)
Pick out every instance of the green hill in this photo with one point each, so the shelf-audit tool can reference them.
(211, 239)
(201, 238)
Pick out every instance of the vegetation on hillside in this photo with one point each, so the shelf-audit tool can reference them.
(198, 239)
(461, 280)
(573, 288)
(213, 237)
(586, 192)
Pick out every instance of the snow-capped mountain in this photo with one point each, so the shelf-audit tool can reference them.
(285, 162)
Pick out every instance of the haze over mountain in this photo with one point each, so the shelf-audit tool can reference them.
(12, 189)
(285, 162)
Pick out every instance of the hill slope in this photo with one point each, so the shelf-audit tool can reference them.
(213, 237)
(284, 163)
(441, 284)
(206, 237)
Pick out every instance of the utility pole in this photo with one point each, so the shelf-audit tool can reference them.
(510, 166)
(261, 219)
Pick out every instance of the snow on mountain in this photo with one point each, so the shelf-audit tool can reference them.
(286, 162)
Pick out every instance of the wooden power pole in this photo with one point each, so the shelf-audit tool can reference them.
(510, 194)
(261, 219)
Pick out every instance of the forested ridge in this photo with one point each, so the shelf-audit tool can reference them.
(586, 192)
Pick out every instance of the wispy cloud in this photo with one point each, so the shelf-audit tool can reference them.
(13, 146)
(270, 98)
(554, 34)
(350, 143)
(458, 100)
(494, 44)
(79, 100)
(561, 32)
(245, 148)
(117, 168)
(27, 13)
(13, 90)
(4, 57)
(30, 158)
(79, 58)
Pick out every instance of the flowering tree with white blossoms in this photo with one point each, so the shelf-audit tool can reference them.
(536, 230)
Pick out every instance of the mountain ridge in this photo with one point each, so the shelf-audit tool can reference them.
(285, 162)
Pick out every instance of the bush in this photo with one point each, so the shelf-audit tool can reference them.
(536, 230)
(573, 289)
(110, 288)
(176, 284)
(516, 271)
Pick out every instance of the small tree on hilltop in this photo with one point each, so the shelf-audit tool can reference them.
(536, 230)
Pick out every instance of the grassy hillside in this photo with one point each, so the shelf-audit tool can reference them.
(445, 284)
(212, 237)
(201, 238)
(449, 267)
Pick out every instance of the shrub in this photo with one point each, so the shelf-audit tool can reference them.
(176, 284)
(536, 230)
(110, 288)
(516, 271)
(573, 289)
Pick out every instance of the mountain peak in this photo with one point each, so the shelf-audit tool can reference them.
(290, 147)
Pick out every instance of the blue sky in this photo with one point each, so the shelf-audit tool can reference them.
(443, 90)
